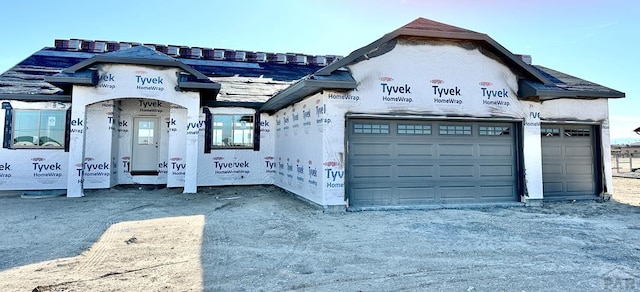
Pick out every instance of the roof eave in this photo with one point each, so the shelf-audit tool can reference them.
(551, 94)
(134, 61)
(215, 103)
(208, 90)
(88, 77)
(526, 90)
(302, 89)
(36, 97)
(190, 85)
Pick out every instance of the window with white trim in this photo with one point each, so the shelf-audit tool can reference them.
(577, 132)
(38, 129)
(232, 131)
(455, 130)
(549, 132)
(494, 131)
(414, 129)
(370, 128)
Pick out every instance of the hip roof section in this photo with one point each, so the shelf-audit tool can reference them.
(275, 79)
(44, 73)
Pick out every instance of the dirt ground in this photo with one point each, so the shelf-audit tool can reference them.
(262, 239)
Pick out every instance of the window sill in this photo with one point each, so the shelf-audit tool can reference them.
(231, 148)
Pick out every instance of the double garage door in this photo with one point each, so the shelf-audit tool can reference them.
(411, 163)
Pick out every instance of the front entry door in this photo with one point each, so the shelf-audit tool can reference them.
(144, 156)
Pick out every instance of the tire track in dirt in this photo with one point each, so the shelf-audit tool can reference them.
(288, 252)
(97, 253)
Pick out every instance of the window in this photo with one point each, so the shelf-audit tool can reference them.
(414, 129)
(583, 132)
(455, 130)
(145, 132)
(38, 129)
(371, 128)
(494, 131)
(232, 131)
(549, 132)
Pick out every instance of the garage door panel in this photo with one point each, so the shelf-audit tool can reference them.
(496, 170)
(457, 192)
(456, 170)
(370, 196)
(416, 171)
(415, 195)
(371, 149)
(579, 187)
(372, 171)
(578, 151)
(552, 168)
(497, 191)
(552, 187)
(492, 150)
(414, 149)
(455, 149)
(552, 150)
(580, 169)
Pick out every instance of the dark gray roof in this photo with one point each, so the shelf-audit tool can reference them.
(140, 55)
(338, 80)
(534, 81)
(564, 86)
(426, 28)
(84, 72)
(254, 77)
(70, 61)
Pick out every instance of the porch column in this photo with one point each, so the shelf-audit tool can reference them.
(191, 148)
(606, 159)
(75, 170)
(532, 152)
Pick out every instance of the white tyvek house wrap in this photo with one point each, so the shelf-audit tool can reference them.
(173, 165)
(114, 127)
(98, 155)
(299, 150)
(532, 151)
(129, 109)
(147, 88)
(238, 166)
(33, 169)
(439, 81)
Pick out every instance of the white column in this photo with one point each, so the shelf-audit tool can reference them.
(75, 187)
(606, 157)
(532, 152)
(191, 148)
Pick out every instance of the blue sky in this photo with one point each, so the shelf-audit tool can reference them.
(593, 40)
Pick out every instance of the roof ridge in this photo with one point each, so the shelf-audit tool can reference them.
(421, 23)
(186, 52)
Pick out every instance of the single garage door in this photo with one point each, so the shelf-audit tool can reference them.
(568, 161)
(409, 163)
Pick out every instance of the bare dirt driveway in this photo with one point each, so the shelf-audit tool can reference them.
(261, 239)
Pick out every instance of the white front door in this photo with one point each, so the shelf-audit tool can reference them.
(144, 154)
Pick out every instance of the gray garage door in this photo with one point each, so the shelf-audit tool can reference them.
(408, 163)
(568, 164)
